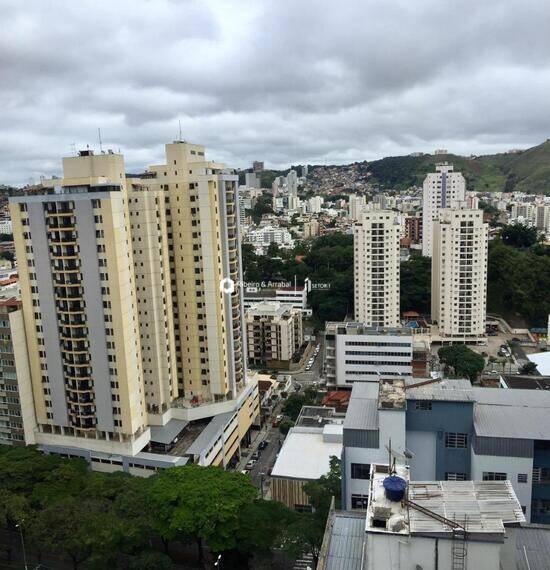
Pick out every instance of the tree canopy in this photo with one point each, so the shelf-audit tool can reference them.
(463, 360)
(114, 520)
(519, 235)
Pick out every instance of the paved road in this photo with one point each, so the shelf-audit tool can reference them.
(313, 375)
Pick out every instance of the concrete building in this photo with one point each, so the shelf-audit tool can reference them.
(356, 204)
(315, 204)
(295, 296)
(355, 352)
(459, 274)
(13, 348)
(274, 333)
(263, 237)
(439, 525)
(448, 430)
(413, 229)
(292, 183)
(5, 227)
(251, 180)
(311, 229)
(376, 268)
(126, 322)
(305, 455)
(440, 190)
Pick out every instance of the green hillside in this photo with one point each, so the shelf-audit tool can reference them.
(528, 171)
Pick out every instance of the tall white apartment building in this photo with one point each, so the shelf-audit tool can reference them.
(441, 189)
(459, 273)
(356, 204)
(376, 267)
(315, 204)
(292, 183)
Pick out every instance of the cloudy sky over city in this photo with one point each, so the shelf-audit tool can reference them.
(282, 81)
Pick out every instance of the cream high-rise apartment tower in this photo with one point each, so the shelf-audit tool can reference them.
(459, 273)
(441, 189)
(376, 268)
(126, 324)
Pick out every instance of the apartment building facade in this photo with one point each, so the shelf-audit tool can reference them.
(376, 268)
(459, 273)
(440, 190)
(274, 333)
(129, 315)
(11, 334)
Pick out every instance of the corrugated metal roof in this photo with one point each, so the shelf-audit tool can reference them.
(346, 541)
(209, 434)
(509, 397)
(166, 434)
(362, 414)
(483, 505)
(515, 422)
(532, 547)
(450, 389)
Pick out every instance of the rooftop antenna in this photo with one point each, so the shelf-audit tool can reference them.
(100, 142)
(73, 148)
(179, 123)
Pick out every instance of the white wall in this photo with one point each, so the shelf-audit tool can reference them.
(401, 552)
(511, 466)
(371, 363)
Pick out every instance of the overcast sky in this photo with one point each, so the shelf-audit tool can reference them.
(284, 81)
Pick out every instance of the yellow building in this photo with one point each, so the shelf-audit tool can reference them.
(126, 323)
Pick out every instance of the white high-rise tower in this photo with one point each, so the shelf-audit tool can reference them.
(459, 273)
(441, 189)
(376, 262)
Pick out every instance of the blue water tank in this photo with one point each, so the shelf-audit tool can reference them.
(395, 488)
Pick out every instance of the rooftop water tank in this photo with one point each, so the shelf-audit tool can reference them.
(395, 488)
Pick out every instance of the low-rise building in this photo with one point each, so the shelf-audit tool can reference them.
(306, 454)
(428, 524)
(274, 333)
(355, 352)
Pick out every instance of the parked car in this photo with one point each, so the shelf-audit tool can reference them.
(256, 455)
(250, 464)
(263, 444)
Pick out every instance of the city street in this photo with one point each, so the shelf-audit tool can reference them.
(315, 374)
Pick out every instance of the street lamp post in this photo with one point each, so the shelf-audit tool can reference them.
(20, 527)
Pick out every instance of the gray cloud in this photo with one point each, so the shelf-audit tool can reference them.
(306, 81)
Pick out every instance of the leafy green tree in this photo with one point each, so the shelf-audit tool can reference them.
(293, 404)
(285, 426)
(78, 528)
(321, 491)
(201, 502)
(415, 284)
(262, 525)
(519, 235)
(261, 207)
(529, 368)
(463, 360)
(150, 560)
(518, 283)
(272, 250)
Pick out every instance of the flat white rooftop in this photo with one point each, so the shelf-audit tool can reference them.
(305, 453)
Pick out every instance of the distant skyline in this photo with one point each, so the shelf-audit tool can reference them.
(287, 83)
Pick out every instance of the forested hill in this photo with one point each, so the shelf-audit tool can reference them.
(526, 171)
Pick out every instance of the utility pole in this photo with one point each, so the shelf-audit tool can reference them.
(20, 527)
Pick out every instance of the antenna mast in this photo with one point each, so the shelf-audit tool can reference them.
(100, 143)
(179, 123)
